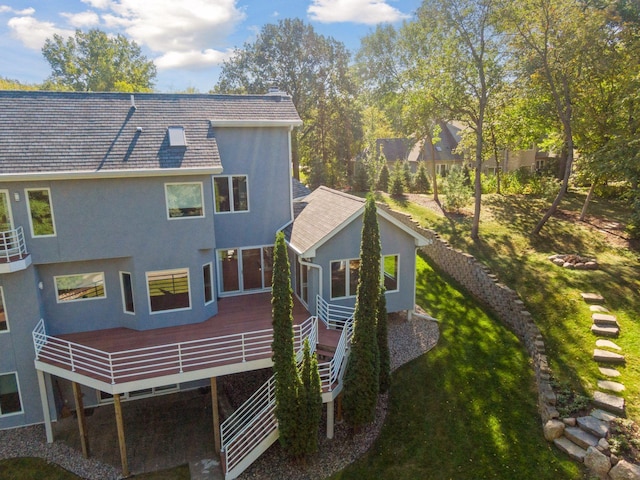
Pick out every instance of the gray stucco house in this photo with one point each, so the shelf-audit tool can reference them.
(136, 237)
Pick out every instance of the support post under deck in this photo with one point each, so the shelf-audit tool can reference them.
(45, 405)
(121, 442)
(82, 420)
(216, 414)
(330, 421)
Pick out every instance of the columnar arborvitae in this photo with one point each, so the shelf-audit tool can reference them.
(287, 381)
(361, 383)
(310, 400)
(383, 343)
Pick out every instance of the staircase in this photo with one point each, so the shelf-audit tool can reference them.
(253, 427)
(591, 430)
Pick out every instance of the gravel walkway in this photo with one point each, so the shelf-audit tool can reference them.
(408, 339)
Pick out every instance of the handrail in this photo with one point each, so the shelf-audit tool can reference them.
(331, 372)
(332, 315)
(12, 243)
(127, 365)
(238, 434)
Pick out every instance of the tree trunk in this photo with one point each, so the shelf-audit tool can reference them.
(583, 213)
(433, 167)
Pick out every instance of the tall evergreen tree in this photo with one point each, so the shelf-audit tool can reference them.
(397, 187)
(422, 184)
(310, 400)
(287, 381)
(361, 382)
(383, 178)
(383, 343)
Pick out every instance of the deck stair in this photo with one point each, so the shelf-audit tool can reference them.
(253, 427)
(325, 352)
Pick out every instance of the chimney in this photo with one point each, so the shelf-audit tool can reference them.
(133, 102)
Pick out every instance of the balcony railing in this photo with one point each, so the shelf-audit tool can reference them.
(158, 360)
(12, 245)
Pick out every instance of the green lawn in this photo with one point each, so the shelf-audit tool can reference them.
(552, 294)
(467, 409)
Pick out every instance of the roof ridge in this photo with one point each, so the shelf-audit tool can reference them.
(341, 193)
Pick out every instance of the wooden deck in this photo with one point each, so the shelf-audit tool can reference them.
(236, 315)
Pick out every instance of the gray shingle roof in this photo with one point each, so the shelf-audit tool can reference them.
(326, 211)
(60, 132)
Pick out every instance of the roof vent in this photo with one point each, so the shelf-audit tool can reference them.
(133, 102)
(177, 137)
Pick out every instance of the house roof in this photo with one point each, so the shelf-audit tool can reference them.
(299, 189)
(443, 149)
(394, 149)
(71, 134)
(323, 213)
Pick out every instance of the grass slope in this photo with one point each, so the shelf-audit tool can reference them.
(467, 409)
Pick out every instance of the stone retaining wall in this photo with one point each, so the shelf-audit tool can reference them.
(500, 299)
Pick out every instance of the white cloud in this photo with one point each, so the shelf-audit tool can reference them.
(83, 19)
(369, 12)
(193, 59)
(8, 9)
(33, 33)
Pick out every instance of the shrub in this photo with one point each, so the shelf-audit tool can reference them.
(383, 178)
(421, 183)
(457, 193)
(397, 181)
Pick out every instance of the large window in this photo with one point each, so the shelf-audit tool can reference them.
(207, 281)
(82, 286)
(127, 292)
(232, 193)
(168, 290)
(390, 273)
(40, 212)
(245, 269)
(344, 278)
(4, 322)
(184, 200)
(9, 394)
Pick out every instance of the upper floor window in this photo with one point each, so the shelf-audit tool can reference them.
(232, 193)
(83, 286)
(40, 212)
(168, 290)
(184, 200)
(9, 394)
(390, 270)
(4, 322)
(344, 278)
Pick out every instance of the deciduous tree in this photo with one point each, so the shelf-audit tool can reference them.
(95, 62)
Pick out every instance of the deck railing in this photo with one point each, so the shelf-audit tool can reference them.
(333, 316)
(331, 372)
(166, 359)
(12, 244)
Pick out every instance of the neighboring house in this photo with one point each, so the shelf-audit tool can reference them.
(136, 236)
(531, 159)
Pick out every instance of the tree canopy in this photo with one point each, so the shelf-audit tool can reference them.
(96, 62)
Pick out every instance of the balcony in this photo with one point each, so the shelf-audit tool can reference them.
(118, 360)
(13, 251)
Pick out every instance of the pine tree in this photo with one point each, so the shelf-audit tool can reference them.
(310, 402)
(397, 181)
(383, 343)
(407, 176)
(361, 382)
(360, 181)
(383, 178)
(287, 380)
(421, 183)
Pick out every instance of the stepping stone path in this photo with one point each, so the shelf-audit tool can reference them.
(590, 431)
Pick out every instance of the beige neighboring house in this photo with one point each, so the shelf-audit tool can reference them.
(531, 159)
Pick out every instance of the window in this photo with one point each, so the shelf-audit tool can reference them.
(4, 323)
(177, 137)
(245, 269)
(232, 193)
(390, 272)
(344, 278)
(9, 394)
(40, 212)
(83, 286)
(127, 292)
(184, 200)
(207, 280)
(168, 290)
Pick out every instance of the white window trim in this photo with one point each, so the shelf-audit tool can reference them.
(397, 255)
(53, 218)
(172, 270)
(166, 200)
(104, 287)
(6, 315)
(133, 298)
(231, 199)
(347, 279)
(21, 412)
(213, 286)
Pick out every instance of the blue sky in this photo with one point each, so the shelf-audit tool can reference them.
(187, 39)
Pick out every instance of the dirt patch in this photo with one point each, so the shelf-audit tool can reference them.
(425, 201)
